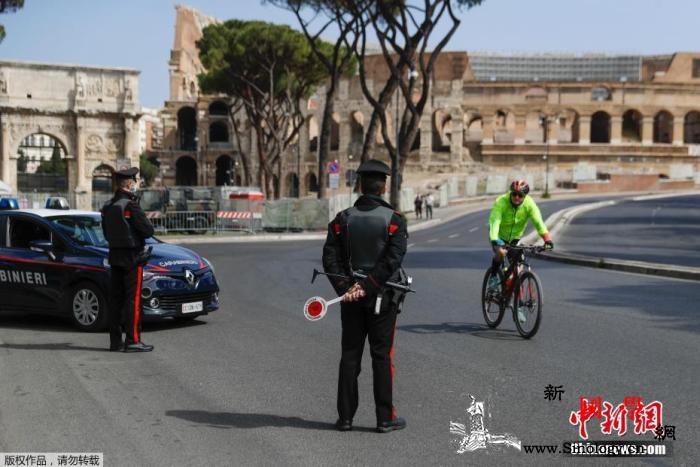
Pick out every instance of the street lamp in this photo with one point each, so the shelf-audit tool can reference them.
(545, 121)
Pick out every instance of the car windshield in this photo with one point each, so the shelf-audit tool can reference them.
(84, 230)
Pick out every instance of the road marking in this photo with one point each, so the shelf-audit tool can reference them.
(474, 229)
(453, 236)
(432, 240)
(410, 245)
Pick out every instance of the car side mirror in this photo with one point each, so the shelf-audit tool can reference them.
(43, 246)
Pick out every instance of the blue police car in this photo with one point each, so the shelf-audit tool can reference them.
(55, 261)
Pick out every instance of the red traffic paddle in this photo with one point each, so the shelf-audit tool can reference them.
(315, 308)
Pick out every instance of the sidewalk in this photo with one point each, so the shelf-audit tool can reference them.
(459, 207)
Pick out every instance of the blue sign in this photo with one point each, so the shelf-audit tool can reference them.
(333, 168)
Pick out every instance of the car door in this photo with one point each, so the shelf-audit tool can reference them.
(36, 281)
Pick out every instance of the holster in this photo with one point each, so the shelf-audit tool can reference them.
(143, 256)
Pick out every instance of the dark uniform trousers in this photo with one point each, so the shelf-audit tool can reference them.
(125, 303)
(359, 323)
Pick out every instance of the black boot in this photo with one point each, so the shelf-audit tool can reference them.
(116, 346)
(396, 424)
(343, 425)
(138, 347)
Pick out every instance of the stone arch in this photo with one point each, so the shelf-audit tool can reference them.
(600, 127)
(186, 171)
(218, 108)
(534, 131)
(292, 185)
(691, 128)
(313, 133)
(663, 127)
(187, 128)
(335, 132)
(632, 126)
(504, 126)
(357, 133)
(225, 172)
(218, 132)
(473, 127)
(568, 126)
(103, 179)
(41, 163)
(311, 183)
(442, 130)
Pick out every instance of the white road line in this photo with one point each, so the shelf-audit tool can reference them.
(432, 240)
(474, 229)
(410, 245)
(453, 236)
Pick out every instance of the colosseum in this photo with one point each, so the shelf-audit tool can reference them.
(580, 117)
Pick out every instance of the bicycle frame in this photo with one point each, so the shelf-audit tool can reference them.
(517, 263)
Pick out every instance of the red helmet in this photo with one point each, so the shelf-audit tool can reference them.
(520, 187)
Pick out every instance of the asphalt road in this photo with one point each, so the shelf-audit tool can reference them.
(255, 383)
(665, 230)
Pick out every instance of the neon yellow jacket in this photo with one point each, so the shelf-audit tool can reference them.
(508, 222)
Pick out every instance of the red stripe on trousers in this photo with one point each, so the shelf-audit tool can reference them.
(137, 303)
(393, 370)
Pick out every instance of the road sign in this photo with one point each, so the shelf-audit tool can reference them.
(334, 181)
(333, 167)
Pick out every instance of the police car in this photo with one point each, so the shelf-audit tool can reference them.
(55, 261)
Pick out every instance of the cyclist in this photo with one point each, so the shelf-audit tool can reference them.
(508, 220)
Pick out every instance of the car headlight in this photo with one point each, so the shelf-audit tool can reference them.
(147, 276)
(211, 266)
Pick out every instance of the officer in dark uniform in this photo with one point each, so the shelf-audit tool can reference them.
(126, 228)
(369, 238)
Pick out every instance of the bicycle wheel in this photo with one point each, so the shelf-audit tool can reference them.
(527, 304)
(491, 303)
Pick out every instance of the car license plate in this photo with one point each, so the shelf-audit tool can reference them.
(192, 307)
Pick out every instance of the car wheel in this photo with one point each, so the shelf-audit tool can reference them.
(87, 307)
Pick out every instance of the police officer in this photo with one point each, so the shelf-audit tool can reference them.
(126, 228)
(369, 238)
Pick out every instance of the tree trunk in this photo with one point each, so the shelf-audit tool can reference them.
(324, 143)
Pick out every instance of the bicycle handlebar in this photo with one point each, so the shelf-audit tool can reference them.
(535, 248)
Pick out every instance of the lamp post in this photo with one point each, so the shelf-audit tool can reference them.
(544, 121)
(411, 75)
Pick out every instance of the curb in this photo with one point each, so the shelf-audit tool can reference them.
(559, 220)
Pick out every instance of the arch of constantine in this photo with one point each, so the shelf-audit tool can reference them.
(90, 112)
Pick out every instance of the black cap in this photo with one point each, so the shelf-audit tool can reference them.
(374, 166)
(127, 173)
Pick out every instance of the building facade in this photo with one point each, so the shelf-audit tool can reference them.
(620, 114)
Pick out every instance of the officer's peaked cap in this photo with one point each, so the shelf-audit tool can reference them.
(127, 173)
(375, 167)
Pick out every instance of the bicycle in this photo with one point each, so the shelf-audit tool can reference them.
(520, 282)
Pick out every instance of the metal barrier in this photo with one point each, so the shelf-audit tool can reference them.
(201, 222)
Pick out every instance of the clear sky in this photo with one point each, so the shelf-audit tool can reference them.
(139, 33)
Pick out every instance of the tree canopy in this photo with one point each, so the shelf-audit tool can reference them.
(270, 70)
(9, 6)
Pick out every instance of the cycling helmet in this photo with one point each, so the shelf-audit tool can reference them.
(520, 187)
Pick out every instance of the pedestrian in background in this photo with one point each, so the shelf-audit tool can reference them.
(418, 203)
(429, 201)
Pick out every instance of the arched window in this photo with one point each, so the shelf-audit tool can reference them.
(663, 127)
(600, 127)
(691, 128)
(632, 126)
(224, 170)
(186, 171)
(187, 128)
(218, 132)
